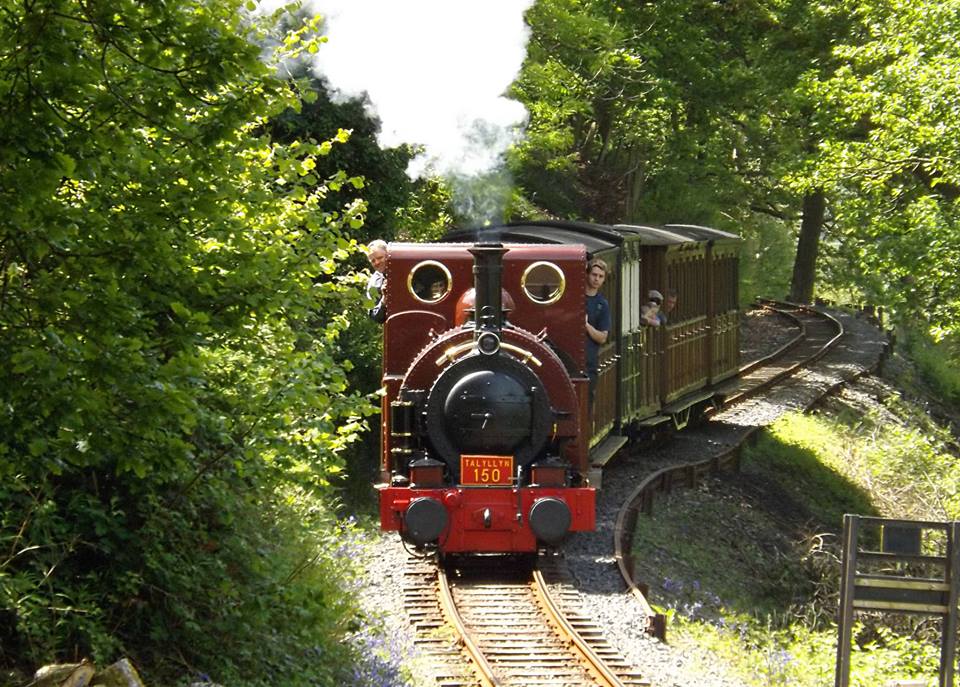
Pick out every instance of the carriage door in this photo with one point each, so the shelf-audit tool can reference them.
(605, 401)
(687, 360)
(725, 330)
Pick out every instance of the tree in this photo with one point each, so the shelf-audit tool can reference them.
(584, 84)
(162, 262)
(890, 112)
(808, 247)
(692, 112)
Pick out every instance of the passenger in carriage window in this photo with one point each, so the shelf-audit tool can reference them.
(669, 303)
(650, 311)
(598, 319)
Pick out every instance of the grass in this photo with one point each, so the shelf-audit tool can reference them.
(761, 591)
(938, 365)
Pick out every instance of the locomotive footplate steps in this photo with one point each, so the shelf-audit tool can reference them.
(602, 455)
(605, 452)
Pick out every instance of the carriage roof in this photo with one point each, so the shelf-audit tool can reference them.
(596, 237)
(541, 232)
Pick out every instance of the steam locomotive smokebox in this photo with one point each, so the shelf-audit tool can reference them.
(487, 405)
(490, 412)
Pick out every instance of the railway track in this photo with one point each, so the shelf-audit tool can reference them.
(517, 623)
(442, 649)
(818, 333)
(521, 624)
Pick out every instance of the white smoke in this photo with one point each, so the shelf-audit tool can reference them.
(435, 73)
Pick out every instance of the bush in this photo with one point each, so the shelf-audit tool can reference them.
(173, 392)
(939, 366)
(245, 586)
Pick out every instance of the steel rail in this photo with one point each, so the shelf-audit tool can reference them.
(783, 308)
(485, 672)
(689, 474)
(792, 343)
(596, 665)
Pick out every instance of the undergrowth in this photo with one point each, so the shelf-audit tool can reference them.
(762, 595)
(938, 365)
(257, 593)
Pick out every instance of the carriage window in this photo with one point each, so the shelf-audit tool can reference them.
(429, 281)
(543, 282)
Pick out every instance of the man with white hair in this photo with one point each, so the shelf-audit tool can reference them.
(377, 255)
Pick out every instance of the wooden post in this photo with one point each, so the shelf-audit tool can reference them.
(948, 642)
(848, 569)
(902, 542)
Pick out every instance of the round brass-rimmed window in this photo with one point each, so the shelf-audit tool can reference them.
(429, 281)
(543, 282)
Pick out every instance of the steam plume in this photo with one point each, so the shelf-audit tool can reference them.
(435, 73)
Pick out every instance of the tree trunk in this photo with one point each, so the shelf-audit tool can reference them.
(635, 182)
(808, 246)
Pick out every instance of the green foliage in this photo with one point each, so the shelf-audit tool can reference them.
(429, 213)
(239, 587)
(688, 112)
(888, 114)
(386, 184)
(799, 453)
(938, 364)
(730, 113)
(764, 656)
(897, 454)
(795, 484)
(170, 313)
(624, 128)
(765, 257)
(596, 111)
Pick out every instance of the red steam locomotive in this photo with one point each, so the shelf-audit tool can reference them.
(489, 441)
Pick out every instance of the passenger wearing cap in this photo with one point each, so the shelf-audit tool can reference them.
(650, 311)
(668, 305)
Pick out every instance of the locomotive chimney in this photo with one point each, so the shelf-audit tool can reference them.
(487, 280)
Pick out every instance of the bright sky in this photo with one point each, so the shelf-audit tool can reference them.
(435, 72)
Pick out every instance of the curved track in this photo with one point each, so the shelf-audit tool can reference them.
(521, 623)
(819, 332)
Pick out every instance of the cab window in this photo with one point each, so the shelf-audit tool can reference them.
(429, 281)
(543, 282)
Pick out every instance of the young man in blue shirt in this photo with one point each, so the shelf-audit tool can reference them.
(598, 319)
